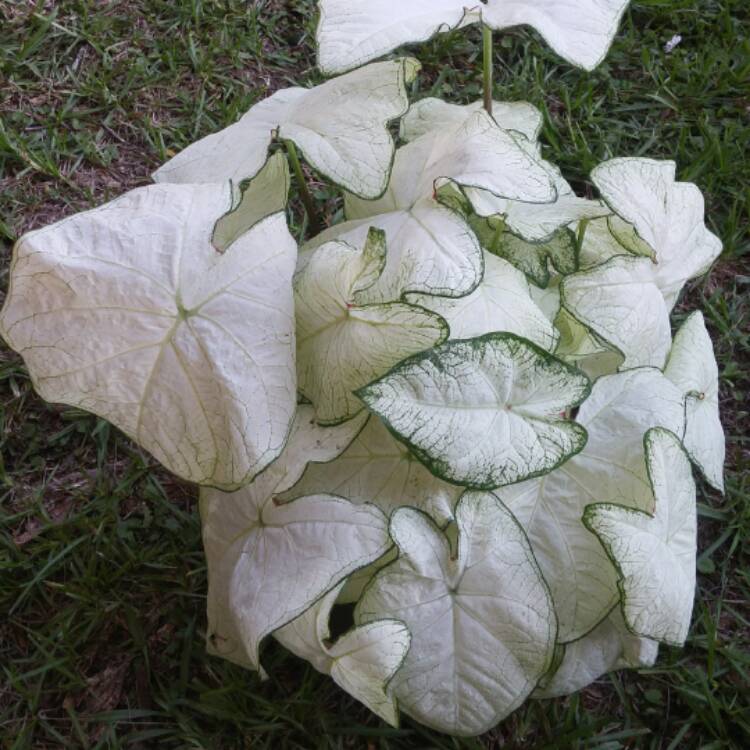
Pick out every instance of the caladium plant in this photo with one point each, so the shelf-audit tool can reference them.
(460, 409)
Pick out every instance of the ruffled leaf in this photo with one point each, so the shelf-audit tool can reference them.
(343, 345)
(340, 127)
(610, 467)
(481, 620)
(692, 368)
(256, 547)
(655, 552)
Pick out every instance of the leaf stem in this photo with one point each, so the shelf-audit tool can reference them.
(487, 67)
(313, 220)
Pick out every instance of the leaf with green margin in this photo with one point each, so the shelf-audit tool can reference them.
(692, 368)
(483, 412)
(598, 244)
(481, 620)
(537, 222)
(342, 344)
(622, 305)
(362, 661)
(341, 127)
(581, 348)
(474, 153)
(260, 196)
(667, 216)
(611, 467)
(256, 547)
(532, 258)
(655, 553)
(431, 114)
(609, 646)
(501, 302)
(124, 311)
(628, 238)
(352, 32)
(580, 33)
(377, 468)
(430, 249)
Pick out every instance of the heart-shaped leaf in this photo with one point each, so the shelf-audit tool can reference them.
(483, 412)
(340, 127)
(481, 619)
(352, 32)
(611, 467)
(256, 547)
(125, 311)
(343, 345)
(655, 553)
(667, 215)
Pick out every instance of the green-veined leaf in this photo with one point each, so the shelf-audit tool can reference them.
(340, 127)
(342, 344)
(692, 367)
(125, 311)
(611, 467)
(655, 553)
(483, 412)
(481, 619)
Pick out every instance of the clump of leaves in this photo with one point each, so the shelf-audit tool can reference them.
(460, 409)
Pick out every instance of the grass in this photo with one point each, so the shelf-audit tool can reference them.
(102, 575)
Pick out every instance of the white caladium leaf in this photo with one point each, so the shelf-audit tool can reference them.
(666, 214)
(377, 468)
(611, 467)
(472, 153)
(362, 661)
(692, 368)
(481, 619)
(256, 546)
(501, 302)
(432, 114)
(430, 249)
(655, 553)
(619, 301)
(580, 33)
(607, 647)
(483, 412)
(548, 300)
(340, 127)
(354, 32)
(534, 221)
(265, 194)
(125, 311)
(342, 344)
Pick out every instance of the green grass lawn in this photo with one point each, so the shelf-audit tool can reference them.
(102, 574)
